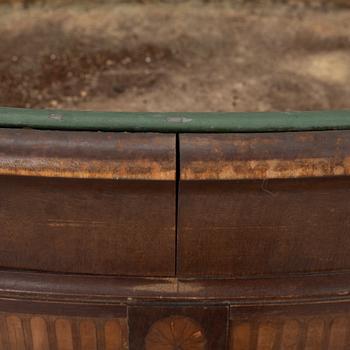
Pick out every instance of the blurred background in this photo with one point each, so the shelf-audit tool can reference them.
(175, 55)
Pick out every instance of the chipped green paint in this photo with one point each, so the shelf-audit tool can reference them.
(174, 121)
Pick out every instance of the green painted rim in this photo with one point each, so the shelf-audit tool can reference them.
(174, 122)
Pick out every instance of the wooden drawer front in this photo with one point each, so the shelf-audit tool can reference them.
(107, 212)
(44, 332)
(291, 329)
(244, 212)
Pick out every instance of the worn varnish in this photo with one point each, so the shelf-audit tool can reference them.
(263, 226)
(104, 295)
(91, 226)
(111, 222)
(129, 241)
(264, 156)
(87, 155)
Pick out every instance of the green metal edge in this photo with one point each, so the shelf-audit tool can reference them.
(174, 121)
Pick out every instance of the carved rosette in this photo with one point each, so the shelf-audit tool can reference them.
(175, 333)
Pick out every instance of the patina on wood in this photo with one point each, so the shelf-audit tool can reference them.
(87, 155)
(95, 203)
(265, 156)
(148, 241)
(271, 204)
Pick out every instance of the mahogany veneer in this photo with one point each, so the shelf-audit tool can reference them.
(115, 241)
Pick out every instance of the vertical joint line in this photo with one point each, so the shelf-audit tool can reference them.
(177, 183)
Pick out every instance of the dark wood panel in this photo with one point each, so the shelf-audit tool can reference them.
(88, 226)
(171, 327)
(275, 227)
(263, 204)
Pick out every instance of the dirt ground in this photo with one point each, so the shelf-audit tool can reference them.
(166, 57)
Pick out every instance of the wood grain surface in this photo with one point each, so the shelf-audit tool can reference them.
(251, 156)
(263, 204)
(87, 202)
(88, 226)
(252, 228)
(103, 247)
(91, 155)
(46, 332)
(304, 328)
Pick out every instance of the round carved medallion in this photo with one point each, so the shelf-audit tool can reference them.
(175, 333)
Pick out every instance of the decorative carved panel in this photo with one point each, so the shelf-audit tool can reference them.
(43, 332)
(176, 332)
(178, 328)
(291, 331)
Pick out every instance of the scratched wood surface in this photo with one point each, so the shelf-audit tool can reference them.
(255, 228)
(112, 221)
(250, 156)
(90, 226)
(91, 155)
(263, 208)
(89, 257)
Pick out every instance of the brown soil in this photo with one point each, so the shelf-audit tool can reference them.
(186, 57)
